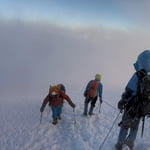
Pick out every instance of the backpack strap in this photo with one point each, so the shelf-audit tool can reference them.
(141, 73)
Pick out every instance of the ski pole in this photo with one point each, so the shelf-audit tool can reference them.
(143, 121)
(99, 108)
(109, 131)
(41, 118)
(74, 116)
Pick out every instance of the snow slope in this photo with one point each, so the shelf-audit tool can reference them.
(21, 129)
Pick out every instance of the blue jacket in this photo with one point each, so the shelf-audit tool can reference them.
(143, 62)
(100, 88)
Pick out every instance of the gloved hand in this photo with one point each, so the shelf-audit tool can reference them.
(122, 104)
(72, 104)
(100, 100)
(41, 109)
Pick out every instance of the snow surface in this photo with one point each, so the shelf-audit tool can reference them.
(21, 129)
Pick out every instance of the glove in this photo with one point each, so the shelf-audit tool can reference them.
(72, 104)
(41, 109)
(100, 100)
(122, 104)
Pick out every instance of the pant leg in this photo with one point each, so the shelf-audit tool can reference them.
(59, 110)
(122, 135)
(54, 112)
(123, 129)
(131, 138)
(93, 101)
(132, 134)
(128, 124)
(87, 100)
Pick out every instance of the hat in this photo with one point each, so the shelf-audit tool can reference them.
(98, 77)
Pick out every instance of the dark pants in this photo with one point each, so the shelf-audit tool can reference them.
(128, 131)
(56, 111)
(92, 100)
(86, 102)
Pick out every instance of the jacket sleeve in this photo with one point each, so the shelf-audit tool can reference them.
(100, 90)
(65, 96)
(131, 89)
(45, 101)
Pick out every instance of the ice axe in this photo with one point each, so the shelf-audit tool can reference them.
(41, 118)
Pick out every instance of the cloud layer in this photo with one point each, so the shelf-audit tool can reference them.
(35, 55)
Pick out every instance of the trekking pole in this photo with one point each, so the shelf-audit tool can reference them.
(109, 131)
(74, 116)
(143, 126)
(41, 118)
(99, 108)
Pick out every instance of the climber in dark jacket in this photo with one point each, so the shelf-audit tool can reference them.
(130, 119)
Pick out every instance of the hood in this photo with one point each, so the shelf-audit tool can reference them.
(143, 61)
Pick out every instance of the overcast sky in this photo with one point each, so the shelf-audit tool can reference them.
(46, 42)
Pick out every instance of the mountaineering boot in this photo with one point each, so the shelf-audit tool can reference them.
(85, 109)
(54, 122)
(91, 110)
(118, 146)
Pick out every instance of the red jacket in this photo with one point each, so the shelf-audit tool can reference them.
(57, 100)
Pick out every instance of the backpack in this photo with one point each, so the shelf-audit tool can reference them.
(140, 105)
(61, 87)
(144, 95)
(93, 89)
(54, 91)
